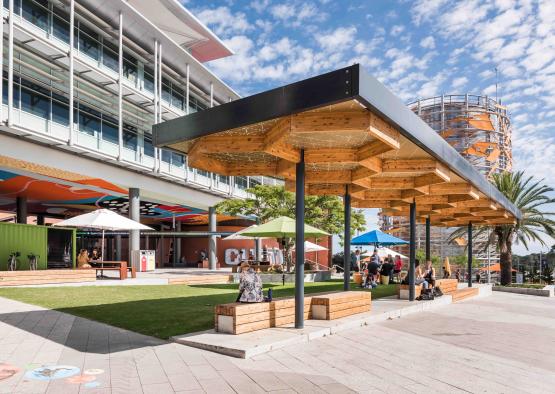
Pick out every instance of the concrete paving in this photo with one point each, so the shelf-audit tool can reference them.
(500, 344)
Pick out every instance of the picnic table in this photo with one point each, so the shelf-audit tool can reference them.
(120, 266)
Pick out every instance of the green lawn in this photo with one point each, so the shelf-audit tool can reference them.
(160, 311)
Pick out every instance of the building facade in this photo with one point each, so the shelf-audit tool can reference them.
(479, 128)
(83, 83)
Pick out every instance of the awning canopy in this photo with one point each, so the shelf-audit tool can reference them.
(355, 134)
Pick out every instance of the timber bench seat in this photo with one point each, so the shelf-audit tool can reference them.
(47, 276)
(240, 318)
(403, 291)
(447, 286)
(336, 305)
(465, 293)
(120, 266)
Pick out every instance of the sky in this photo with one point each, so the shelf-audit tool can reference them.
(417, 48)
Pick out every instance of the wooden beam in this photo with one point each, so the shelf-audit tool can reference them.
(383, 131)
(320, 121)
(413, 193)
(477, 204)
(342, 156)
(370, 203)
(382, 195)
(325, 177)
(225, 143)
(276, 144)
(392, 183)
(252, 169)
(285, 169)
(371, 150)
(325, 190)
(428, 179)
(454, 188)
(427, 199)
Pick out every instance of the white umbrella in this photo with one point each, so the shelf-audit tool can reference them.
(312, 247)
(384, 252)
(102, 219)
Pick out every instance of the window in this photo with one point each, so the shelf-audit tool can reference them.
(130, 137)
(166, 156)
(88, 123)
(166, 91)
(178, 160)
(15, 90)
(88, 42)
(60, 109)
(148, 80)
(148, 147)
(203, 173)
(241, 182)
(110, 132)
(36, 12)
(178, 97)
(35, 103)
(60, 25)
(223, 179)
(110, 56)
(129, 67)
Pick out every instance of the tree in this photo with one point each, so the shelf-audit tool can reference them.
(270, 202)
(530, 196)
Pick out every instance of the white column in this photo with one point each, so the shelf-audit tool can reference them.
(160, 110)
(187, 90)
(155, 91)
(211, 94)
(71, 43)
(120, 87)
(2, 64)
(10, 64)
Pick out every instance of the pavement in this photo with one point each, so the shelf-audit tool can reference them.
(500, 344)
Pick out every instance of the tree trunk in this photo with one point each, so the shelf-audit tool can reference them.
(506, 262)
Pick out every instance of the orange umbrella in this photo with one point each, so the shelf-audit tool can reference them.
(494, 268)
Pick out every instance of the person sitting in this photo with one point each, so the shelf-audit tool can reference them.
(419, 279)
(250, 285)
(430, 275)
(387, 271)
(446, 269)
(373, 271)
(95, 255)
(83, 259)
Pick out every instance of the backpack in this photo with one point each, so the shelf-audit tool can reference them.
(437, 292)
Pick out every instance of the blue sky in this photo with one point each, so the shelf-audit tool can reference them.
(417, 48)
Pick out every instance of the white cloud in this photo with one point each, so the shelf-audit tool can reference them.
(223, 21)
(396, 30)
(428, 42)
(459, 82)
(340, 39)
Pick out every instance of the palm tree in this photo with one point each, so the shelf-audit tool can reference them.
(530, 197)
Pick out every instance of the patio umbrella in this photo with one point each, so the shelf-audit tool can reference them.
(102, 219)
(384, 252)
(282, 227)
(239, 235)
(312, 247)
(377, 238)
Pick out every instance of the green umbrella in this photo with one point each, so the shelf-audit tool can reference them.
(282, 227)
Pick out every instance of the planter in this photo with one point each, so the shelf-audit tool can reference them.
(547, 291)
(357, 278)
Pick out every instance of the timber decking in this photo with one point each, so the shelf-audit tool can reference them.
(41, 277)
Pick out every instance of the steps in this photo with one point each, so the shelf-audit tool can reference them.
(463, 294)
(201, 280)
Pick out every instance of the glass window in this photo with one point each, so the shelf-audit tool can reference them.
(203, 173)
(60, 109)
(16, 5)
(110, 131)
(148, 147)
(88, 42)
(130, 137)
(223, 179)
(60, 25)
(241, 182)
(129, 67)
(36, 12)
(254, 181)
(178, 160)
(166, 91)
(88, 123)
(178, 97)
(35, 103)
(110, 56)
(149, 80)
(15, 90)
(166, 156)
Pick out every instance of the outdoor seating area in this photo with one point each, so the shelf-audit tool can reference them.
(239, 318)
(120, 267)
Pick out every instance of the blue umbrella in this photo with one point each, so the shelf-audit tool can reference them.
(376, 237)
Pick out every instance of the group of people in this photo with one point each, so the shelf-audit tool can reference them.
(377, 267)
(84, 259)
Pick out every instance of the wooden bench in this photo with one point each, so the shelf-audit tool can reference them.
(447, 286)
(463, 294)
(239, 318)
(337, 305)
(119, 266)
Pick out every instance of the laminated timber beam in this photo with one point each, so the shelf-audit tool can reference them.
(275, 142)
(454, 188)
(325, 177)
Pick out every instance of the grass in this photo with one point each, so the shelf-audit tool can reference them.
(527, 285)
(159, 311)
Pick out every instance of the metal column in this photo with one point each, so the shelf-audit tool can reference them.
(118, 247)
(40, 220)
(187, 90)
(10, 63)
(21, 209)
(428, 246)
(412, 250)
(347, 240)
(120, 87)
(299, 242)
(71, 77)
(258, 245)
(155, 94)
(134, 214)
(2, 66)
(212, 247)
(176, 244)
(211, 94)
(469, 246)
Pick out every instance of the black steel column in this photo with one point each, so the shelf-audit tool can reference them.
(299, 243)
(428, 248)
(469, 245)
(412, 250)
(40, 220)
(212, 243)
(21, 209)
(347, 241)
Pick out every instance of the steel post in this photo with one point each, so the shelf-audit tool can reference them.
(428, 246)
(299, 243)
(347, 240)
(412, 251)
(469, 246)
(134, 214)
(212, 247)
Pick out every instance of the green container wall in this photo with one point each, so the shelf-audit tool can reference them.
(26, 239)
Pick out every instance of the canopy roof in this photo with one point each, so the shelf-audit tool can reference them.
(355, 134)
